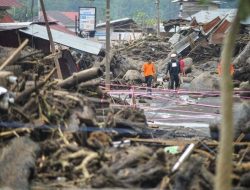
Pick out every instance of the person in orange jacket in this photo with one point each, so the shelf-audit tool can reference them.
(219, 69)
(149, 72)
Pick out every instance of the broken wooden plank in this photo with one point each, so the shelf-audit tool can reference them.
(14, 54)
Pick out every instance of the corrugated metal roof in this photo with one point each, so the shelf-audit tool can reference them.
(13, 26)
(211, 25)
(186, 42)
(206, 16)
(62, 17)
(71, 15)
(114, 22)
(64, 39)
(219, 34)
(10, 3)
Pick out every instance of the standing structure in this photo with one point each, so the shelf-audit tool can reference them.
(4, 6)
(190, 7)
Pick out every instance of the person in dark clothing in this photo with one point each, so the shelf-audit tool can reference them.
(174, 70)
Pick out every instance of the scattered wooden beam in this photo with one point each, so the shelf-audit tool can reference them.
(14, 54)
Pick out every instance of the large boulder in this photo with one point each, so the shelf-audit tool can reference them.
(248, 61)
(205, 81)
(245, 89)
(188, 64)
(209, 66)
(241, 122)
(133, 75)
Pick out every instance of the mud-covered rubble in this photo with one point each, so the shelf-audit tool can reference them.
(70, 124)
(149, 46)
(61, 161)
(66, 133)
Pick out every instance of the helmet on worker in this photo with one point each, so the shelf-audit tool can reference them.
(173, 55)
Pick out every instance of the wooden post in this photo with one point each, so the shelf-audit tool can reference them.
(53, 49)
(158, 17)
(107, 67)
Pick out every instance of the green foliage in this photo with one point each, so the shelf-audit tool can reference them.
(2, 13)
(144, 20)
(119, 8)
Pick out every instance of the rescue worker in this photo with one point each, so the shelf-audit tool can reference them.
(182, 65)
(182, 68)
(220, 69)
(174, 71)
(149, 72)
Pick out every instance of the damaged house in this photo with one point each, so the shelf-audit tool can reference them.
(124, 29)
(5, 5)
(205, 29)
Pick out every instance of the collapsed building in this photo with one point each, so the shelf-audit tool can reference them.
(206, 29)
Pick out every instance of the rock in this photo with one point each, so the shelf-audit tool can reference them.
(242, 119)
(17, 162)
(133, 75)
(248, 61)
(209, 66)
(244, 86)
(241, 122)
(4, 75)
(188, 64)
(205, 81)
(187, 79)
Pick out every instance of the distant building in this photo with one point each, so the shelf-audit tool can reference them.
(124, 29)
(217, 22)
(61, 21)
(66, 19)
(5, 17)
(190, 7)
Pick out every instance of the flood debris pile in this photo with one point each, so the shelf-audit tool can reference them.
(60, 160)
(148, 46)
(201, 39)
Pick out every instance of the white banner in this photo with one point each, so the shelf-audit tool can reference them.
(87, 18)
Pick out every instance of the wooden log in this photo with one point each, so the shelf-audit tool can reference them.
(80, 77)
(21, 98)
(14, 55)
(52, 45)
(90, 83)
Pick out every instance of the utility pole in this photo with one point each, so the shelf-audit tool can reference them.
(52, 45)
(181, 9)
(158, 17)
(107, 66)
(39, 8)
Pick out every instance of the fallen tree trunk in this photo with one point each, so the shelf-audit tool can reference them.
(21, 98)
(80, 77)
(91, 83)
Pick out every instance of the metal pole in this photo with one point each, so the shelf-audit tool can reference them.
(53, 49)
(181, 9)
(107, 67)
(158, 17)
